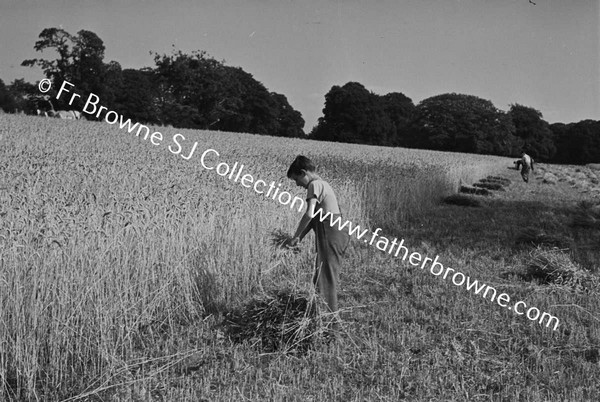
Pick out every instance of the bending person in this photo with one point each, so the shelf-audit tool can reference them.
(527, 165)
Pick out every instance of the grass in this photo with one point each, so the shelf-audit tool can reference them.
(537, 237)
(587, 216)
(120, 261)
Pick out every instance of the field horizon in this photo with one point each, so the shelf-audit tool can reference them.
(120, 260)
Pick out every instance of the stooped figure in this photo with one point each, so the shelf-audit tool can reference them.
(331, 243)
(526, 163)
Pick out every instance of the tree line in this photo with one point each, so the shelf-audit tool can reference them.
(181, 90)
(453, 122)
(197, 91)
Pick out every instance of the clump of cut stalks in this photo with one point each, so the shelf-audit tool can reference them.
(474, 190)
(281, 321)
(554, 266)
(490, 186)
(537, 237)
(462, 200)
(496, 179)
(280, 239)
(549, 178)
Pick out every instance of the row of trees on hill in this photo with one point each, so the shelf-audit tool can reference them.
(182, 90)
(452, 122)
(197, 91)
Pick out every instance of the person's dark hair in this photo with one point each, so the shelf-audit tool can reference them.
(301, 162)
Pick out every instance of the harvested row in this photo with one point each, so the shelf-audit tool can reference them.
(486, 185)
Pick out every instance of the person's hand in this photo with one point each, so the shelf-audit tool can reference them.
(293, 242)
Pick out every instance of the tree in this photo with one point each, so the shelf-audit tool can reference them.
(197, 91)
(290, 120)
(577, 143)
(136, 96)
(112, 84)
(80, 62)
(400, 110)
(7, 101)
(88, 70)
(535, 133)
(26, 97)
(247, 105)
(463, 123)
(353, 114)
(561, 142)
(586, 134)
(60, 40)
(189, 84)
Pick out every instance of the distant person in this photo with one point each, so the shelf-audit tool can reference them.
(331, 243)
(526, 163)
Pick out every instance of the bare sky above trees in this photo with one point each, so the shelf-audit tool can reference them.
(545, 56)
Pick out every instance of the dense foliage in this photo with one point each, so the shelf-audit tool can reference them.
(185, 91)
(197, 91)
(534, 133)
(353, 114)
(577, 143)
(7, 102)
(452, 122)
(463, 123)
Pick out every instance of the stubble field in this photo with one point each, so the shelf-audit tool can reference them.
(118, 259)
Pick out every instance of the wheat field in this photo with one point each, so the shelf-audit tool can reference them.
(111, 247)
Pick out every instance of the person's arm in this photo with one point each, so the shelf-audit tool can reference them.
(305, 231)
(304, 225)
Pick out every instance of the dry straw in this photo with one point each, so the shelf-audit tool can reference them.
(280, 238)
(554, 266)
(285, 321)
(490, 186)
(474, 190)
(496, 179)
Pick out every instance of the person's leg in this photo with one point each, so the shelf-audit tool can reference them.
(525, 173)
(331, 246)
(328, 281)
(325, 278)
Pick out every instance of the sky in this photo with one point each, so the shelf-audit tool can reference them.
(543, 55)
